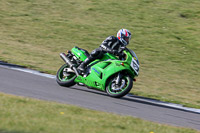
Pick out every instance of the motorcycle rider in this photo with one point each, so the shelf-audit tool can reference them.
(111, 45)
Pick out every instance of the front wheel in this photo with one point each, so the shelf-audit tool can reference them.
(65, 78)
(120, 90)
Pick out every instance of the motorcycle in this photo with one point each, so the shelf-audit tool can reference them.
(110, 74)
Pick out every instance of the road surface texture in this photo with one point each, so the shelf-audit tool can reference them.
(36, 86)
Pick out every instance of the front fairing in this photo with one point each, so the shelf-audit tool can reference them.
(132, 60)
(134, 55)
(109, 65)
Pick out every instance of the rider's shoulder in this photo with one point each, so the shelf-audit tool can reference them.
(110, 38)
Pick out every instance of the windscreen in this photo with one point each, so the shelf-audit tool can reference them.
(134, 55)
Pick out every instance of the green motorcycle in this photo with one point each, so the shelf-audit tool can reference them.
(110, 74)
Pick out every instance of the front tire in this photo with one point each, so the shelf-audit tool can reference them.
(118, 91)
(64, 78)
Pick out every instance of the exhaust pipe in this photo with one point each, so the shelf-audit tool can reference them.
(68, 61)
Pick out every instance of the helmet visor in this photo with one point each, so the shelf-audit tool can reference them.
(127, 39)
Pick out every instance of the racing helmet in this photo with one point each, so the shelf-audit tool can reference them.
(124, 36)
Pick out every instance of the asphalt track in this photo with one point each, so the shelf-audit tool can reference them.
(44, 87)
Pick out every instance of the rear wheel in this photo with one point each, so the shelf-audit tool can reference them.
(65, 78)
(120, 90)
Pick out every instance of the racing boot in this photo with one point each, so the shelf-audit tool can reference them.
(84, 64)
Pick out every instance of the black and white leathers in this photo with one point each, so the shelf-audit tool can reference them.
(111, 45)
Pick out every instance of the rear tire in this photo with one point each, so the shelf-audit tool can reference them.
(64, 80)
(119, 91)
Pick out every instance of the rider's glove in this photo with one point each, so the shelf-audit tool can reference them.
(115, 52)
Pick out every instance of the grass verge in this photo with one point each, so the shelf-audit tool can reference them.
(25, 115)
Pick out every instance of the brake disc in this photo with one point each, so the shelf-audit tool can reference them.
(116, 87)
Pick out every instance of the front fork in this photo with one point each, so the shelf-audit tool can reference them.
(118, 79)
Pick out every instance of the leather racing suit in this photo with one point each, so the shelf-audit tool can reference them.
(111, 45)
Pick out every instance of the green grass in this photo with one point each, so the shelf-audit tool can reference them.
(165, 36)
(25, 115)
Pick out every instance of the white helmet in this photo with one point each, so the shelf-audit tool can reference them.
(124, 36)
